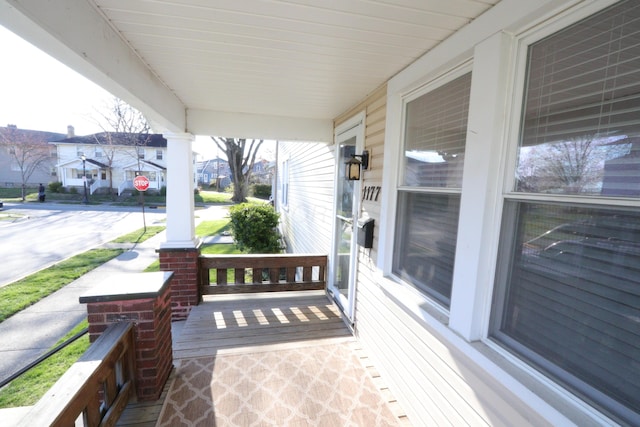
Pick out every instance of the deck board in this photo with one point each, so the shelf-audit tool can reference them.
(236, 322)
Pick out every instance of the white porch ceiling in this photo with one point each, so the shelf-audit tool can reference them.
(257, 68)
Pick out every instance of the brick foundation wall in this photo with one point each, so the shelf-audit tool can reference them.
(184, 286)
(153, 347)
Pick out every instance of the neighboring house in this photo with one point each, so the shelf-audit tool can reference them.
(263, 171)
(111, 159)
(26, 152)
(212, 170)
(208, 171)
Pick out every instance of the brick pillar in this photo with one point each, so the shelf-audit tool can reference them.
(145, 300)
(185, 291)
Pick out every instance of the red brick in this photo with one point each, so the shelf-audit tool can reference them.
(94, 308)
(96, 318)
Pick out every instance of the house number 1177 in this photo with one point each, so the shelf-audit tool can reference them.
(371, 193)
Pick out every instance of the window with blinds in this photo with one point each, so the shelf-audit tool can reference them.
(429, 194)
(567, 293)
(435, 136)
(571, 304)
(581, 132)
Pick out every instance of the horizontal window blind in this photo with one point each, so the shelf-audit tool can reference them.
(426, 232)
(435, 135)
(581, 133)
(585, 80)
(572, 296)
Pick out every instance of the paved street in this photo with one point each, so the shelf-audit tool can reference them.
(44, 234)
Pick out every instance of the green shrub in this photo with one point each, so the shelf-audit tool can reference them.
(254, 228)
(56, 187)
(261, 191)
(163, 190)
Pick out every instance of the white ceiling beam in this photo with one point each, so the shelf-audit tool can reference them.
(76, 34)
(258, 126)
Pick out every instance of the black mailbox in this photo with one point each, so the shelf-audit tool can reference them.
(365, 233)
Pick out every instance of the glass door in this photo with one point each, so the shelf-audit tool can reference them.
(343, 263)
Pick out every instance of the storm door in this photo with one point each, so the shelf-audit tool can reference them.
(343, 263)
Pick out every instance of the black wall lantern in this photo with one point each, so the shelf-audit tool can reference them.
(357, 163)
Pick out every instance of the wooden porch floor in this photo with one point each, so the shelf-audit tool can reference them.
(280, 358)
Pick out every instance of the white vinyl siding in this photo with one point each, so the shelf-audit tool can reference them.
(305, 220)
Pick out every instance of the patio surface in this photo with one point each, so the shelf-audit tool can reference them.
(272, 359)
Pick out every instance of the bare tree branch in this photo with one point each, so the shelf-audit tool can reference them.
(26, 151)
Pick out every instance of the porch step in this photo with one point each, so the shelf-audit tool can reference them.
(11, 416)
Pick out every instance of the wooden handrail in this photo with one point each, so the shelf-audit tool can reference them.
(270, 272)
(96, 388)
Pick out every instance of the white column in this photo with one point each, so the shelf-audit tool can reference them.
(180, 210)
(478, 226)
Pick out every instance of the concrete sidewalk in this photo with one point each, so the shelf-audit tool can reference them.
(30, 333)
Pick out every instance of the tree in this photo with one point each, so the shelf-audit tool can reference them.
(27, 152)
(241, 155)
(573, 165)
(122, 125)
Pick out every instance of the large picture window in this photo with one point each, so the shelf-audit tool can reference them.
(567, 296)
(429, 194)
(581, 133)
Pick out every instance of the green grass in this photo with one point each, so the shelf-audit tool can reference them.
(10, 216)
(208, 228)
(212, 197)
(211, 228)
(25, 292)
(140, 235)
(220, 249)
(28, 388)
(13, 194)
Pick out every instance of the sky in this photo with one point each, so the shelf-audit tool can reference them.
(39, 93)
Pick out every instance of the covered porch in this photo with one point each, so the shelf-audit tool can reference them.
(283, 358)
(260, 359)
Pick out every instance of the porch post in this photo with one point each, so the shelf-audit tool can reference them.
(180, 209)
(179, 253)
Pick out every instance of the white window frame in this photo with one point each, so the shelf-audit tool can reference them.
(496, 102)
(456, 72)
(516, 108)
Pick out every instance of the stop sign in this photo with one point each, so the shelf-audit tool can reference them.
(141, 183)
